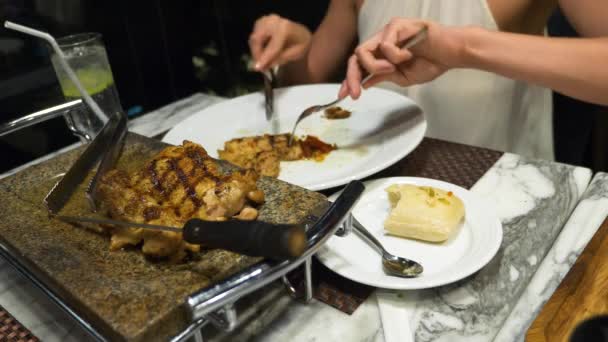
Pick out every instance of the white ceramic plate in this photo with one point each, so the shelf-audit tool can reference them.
(383, 128)
(470, 249)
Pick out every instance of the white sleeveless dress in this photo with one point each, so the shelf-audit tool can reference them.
(470, 106)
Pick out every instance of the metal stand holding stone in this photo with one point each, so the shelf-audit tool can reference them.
(44, 115)
(215, 304)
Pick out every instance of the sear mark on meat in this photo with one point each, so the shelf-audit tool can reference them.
(179, 183)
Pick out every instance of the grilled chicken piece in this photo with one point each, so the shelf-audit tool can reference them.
(264, 153)
(180, 183)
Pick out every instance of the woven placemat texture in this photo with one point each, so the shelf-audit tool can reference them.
(458, 164)
(454, 163)
(11, 329)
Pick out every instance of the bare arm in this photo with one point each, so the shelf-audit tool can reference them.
(589, 17)
(521, 16)
(329, 49)
(574, 66)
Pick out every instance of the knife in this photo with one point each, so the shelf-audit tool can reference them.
(63, 190)
(253, 238)
(269, 84)
(117, 139)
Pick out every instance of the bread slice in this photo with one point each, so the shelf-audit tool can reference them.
(422, 212)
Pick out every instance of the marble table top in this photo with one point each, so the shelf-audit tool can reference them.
(548, 211)
(580, 227)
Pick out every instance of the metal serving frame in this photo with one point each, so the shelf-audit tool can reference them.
(63, 109)
(214, 304)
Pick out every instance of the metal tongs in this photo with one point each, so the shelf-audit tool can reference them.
(418, 37)
(255, 238)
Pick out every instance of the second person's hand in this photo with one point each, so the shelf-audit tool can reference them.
(276, 41)
(382, 56)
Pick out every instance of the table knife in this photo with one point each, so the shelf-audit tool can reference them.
(269, 84)
(60, 194)
(253, 238)
(109, 158)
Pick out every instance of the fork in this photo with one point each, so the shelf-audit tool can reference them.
(418, 37)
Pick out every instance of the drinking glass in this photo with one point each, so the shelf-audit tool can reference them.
(86, 54)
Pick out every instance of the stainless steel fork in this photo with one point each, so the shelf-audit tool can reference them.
(418, 37)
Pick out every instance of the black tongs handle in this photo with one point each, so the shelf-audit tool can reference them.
(254, 238)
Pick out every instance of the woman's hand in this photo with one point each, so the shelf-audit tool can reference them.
(382, 56)
(276, 41)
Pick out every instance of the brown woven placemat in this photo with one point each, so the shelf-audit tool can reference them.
(454, 163)
(11, 330)
(458, 164)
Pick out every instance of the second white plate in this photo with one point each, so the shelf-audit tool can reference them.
(384, 127)
(474, 245)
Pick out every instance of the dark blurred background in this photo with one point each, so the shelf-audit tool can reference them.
(161, 51)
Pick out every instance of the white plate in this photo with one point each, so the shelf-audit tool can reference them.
(383, 128)
(470, 249)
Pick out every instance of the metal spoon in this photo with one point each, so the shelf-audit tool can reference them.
(392, 264)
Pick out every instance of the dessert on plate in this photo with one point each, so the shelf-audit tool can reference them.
(423, 212)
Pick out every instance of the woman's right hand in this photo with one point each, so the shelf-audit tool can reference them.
(382, 55)
(276, 41)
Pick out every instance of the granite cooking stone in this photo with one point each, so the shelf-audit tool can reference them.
(124, 295)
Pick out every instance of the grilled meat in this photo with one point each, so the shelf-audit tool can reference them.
(264, 153)
(179, 183)
(337, 113)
